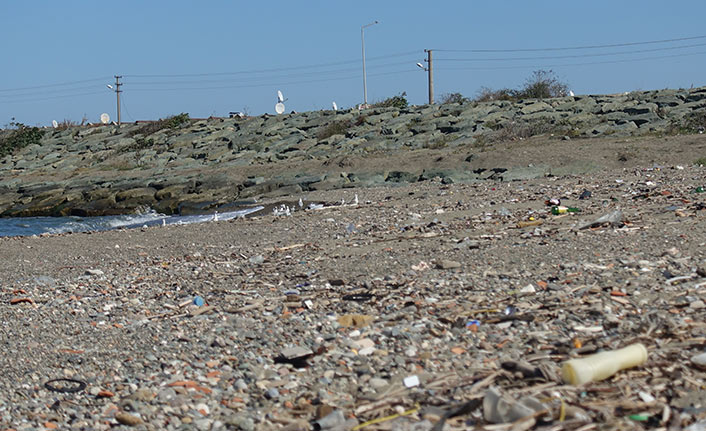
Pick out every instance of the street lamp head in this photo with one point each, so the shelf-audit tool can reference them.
(420, 65)
(109, 86)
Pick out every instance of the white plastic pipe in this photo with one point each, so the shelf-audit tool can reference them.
(603, 365)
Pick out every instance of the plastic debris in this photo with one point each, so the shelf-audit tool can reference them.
(199, 301)
(411, 381)
(613, 218)
(499, 408)
(602, 365)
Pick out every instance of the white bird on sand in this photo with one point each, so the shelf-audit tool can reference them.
(301, 203)
(355, 199)
(215, 216)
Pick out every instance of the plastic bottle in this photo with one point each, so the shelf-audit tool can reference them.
(560, 209)
(603, 365)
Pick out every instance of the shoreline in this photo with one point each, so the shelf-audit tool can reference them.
(275, 346)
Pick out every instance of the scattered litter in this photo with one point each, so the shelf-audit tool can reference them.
(602, 365)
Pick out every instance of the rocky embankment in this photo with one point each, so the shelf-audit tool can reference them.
(205, 165)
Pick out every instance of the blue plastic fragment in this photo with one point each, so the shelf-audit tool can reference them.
(473, 322)
(199, 301)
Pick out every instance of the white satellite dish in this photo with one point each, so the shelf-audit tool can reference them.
(105, 118)
(279, 108)
(280, 98)
(335, 107)
(54, 124)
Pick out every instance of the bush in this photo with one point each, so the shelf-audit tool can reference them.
(694, 122)
(173, 122)
(66, 124)
(334, 128)
(21, 137)
(543, 84)
(486, 94)
(399, 102)
(453, 98)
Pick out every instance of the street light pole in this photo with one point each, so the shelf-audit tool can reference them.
(365, 83)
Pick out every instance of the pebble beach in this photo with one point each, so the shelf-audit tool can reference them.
(425, 306)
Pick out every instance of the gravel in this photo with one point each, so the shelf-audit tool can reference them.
(416, 308)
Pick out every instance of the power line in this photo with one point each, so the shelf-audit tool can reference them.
(265, 78)
(61, 84)
(576, 64)
(614, 45)
(279, 69)
(53, 97)
(49, 91)
(554, 57)
(270, 84)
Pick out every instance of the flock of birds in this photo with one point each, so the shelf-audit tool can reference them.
(286, 210)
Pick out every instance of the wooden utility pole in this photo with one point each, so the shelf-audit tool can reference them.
(430, 70)
(117, 93)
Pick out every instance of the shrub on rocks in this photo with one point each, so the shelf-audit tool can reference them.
(399, 102)
(173, 122)
(542, 84)
(20, 137)
(335, 128)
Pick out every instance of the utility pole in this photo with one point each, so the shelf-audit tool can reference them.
(430, 70)
(117, 93)
(365, 82)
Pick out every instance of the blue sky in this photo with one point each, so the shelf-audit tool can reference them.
(211, 57)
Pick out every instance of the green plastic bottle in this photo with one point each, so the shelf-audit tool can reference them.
(560, 209)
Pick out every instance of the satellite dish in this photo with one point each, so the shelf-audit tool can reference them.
(280, 98)
(54, 124)
(105, 118)
(279, 108)
(335, 107)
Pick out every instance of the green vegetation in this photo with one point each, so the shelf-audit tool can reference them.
(453, 98)
(694, 122)
(66, 124)
(140, 144)
(334, 128)
(399, 102)
(173, 122)
(20, 137)
(700, 161)
(542, 84)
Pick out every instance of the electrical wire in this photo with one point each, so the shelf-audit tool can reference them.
(574, 55)
(279, 69)
(53, 97)
(123, 106)
(265, 78)
(613, 45)
(54, 85)
(547, 66)
(56, 91)
(270, 84)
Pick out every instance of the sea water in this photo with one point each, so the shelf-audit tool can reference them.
(27, 226)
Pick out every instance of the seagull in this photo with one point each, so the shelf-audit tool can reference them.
(301, 203)
(571, 93)
(355, 199)
(215, 216)
(335, 107)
